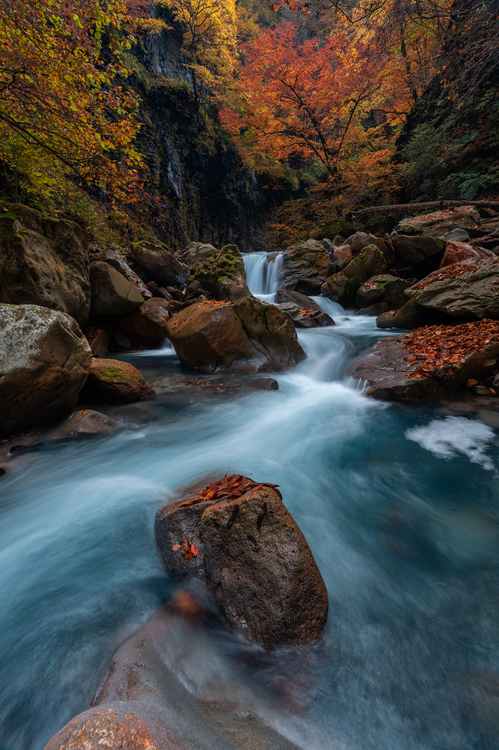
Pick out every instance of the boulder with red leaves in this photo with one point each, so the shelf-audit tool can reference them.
(469, 289)
(431, 362)
(238, 536)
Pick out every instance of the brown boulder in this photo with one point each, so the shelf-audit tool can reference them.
(148, 323)
(82, 424)
(413, 250)
(342, 287)
(160, 265)
(303, 311)
(119, 264)
(44, 261)
(112, 294)
(254, 558)
(306, 267)
(444, 358)
(383, 288)
(410, 315)
(455, 252)
(342, 256)
(247, 335)
(44, 363)
(111, 380)
(220, 272)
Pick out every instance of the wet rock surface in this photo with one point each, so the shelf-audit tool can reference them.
(239, 537)
(342, 287)
(247, 335)
(465, 289)
(44, 262)
(306, 267)
(141, 704)
(429, 363)
(147, 324)
(303, 311)
(383, 288)
(84, 423)
(111, 380)
(44, 363)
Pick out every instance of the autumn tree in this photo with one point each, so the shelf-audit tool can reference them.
(310, 101)
(209, 37)
(61, 92)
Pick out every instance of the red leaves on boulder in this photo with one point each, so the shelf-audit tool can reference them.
(228, 488)
(187, 549)
(442, 348)
(454, 271)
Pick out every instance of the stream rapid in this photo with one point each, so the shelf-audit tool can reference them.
(400, 507)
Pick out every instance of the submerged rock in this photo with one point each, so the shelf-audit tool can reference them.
(247, 335)
(303, 311)
(141, 704)
(44, 363)
(111, 380)
(82, 424)
(430, 362)
(253, 556)
(44, 261)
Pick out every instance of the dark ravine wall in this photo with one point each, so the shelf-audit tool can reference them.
(204, 191)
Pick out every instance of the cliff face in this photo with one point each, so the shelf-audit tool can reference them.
(204, 192)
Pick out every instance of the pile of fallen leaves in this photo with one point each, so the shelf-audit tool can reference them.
(439, 348)
(228, 488)
(454, 271)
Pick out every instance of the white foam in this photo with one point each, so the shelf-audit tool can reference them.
(447, 437)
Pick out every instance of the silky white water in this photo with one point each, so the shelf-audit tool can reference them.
(406, 538)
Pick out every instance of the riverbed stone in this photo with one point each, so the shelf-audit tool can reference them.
(112, 293)
(44, 363)
(342, 287)
(247, 335)
(383, 288)
(255, 560)
(44, 261)
(306, 267)
(84, 423)
(414, 249)
(159, 264)
(112, 380)
(393, 375)
(147, 324)
(466, 289)
(303, 311)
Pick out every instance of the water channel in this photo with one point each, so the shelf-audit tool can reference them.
(400, 506)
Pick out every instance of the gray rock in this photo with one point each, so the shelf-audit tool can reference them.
(112, 294)
(410, 315)
(472, 293)
(83, 424)
(119, 263)
(161, 266)
(44, 262)
(306, 267)
(413, 250)
(220, 272)
(383, 288)
(343, 286)
(456, 235)
(44, 363)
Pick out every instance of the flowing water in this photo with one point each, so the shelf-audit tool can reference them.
(400, 507)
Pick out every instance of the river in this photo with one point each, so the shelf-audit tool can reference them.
(400, 506)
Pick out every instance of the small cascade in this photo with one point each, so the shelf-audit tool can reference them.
(263, 273)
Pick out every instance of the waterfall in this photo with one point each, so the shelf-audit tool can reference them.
(263, 273)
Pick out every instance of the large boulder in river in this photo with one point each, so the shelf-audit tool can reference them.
(112, 380)
(44, 363)
(238, 536)
(159, 264)
(466, 289)
(44, 262)
(112, 294)
(220, 272)
(343, 286)
(306, 267)
(430, 362)
(358, 241)
(247, 335)
(383, 288)
(414, 250)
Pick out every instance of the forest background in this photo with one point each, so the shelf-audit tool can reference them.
(123, 115)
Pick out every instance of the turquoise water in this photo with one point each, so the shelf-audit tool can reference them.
(399, 505)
